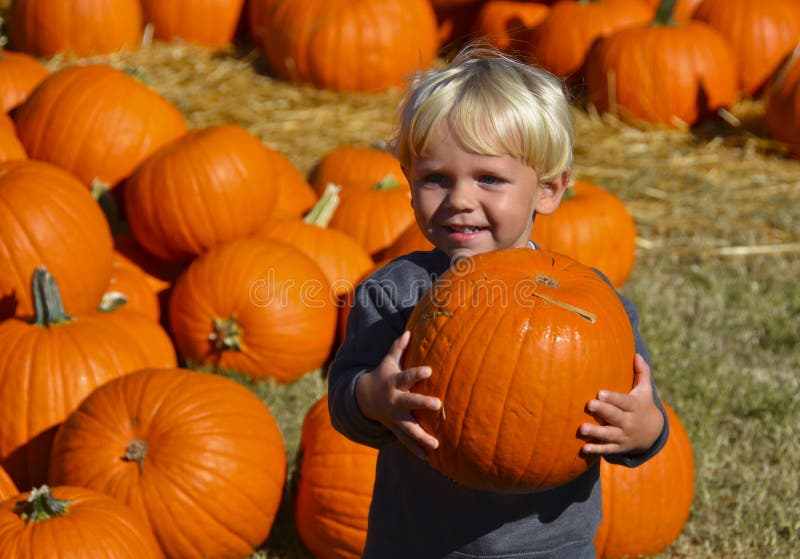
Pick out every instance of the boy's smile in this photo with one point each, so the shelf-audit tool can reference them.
(468, 203)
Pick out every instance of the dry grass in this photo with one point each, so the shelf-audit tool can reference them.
(717, 210)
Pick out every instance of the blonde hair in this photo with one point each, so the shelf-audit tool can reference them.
(494, 105)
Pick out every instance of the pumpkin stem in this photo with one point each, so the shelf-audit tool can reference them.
(569, 193)
(112, 300)
(664, 12)
(548, 281)
(136, 451)
(47, 300)
(387, 183)
(40, 505)
(226, 334)
(322, 212)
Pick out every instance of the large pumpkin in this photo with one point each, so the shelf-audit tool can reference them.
(222, 173)
(669, 73)
(368, 45)
(48, 218)
(72, 522)
(20, 73)
(209, 23)
(52, 363)
(258, 306)
(80, 27)
(333, 488)
(762, 34)
(102, 140)
(663, 487)
(563, 38)
(197, 455)
(511, 408)
(592, 226)
(783, 105)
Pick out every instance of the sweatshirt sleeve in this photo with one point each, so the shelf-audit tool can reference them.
(374, 322)
(631, 460)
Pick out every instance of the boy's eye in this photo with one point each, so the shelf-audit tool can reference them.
(490, 179)
(435, 178)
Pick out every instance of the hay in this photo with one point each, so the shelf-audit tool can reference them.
(723, 184)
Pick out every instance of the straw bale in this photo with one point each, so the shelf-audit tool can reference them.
(721, 184)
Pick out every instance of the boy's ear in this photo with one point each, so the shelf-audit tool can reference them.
(551, 193)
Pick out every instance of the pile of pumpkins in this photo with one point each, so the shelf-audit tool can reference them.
(671, 62)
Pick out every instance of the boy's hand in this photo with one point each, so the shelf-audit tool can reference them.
(384, 394)
(632, 420)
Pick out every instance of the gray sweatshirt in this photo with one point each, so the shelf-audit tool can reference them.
(418, 513)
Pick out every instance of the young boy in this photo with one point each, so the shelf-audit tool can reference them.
(486, 144)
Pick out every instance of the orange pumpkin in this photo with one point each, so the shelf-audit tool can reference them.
(80, 27)
(49, 218)
(645, 508)
(259, 306)
(58, 360)
(20, 73)
(783, 105)
(355, 168)
(101, 141)
(668, 73)
(7, 487)
(594, 227)
(129, 281)
(209, 23)
(10, 147)
(507, 23)
(342, 45)
(223, 173)
(762, 33)
(562, 40)
(375, 217)
(72, 522)
(333, 488)
(683, 11)
(340, 257)
(564, 335)
(197, 455)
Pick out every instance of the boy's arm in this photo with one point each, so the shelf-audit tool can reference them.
(631, 460)
(373, 324)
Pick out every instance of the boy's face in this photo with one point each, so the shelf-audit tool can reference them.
(466, 203)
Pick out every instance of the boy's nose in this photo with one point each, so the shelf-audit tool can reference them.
(461, 197)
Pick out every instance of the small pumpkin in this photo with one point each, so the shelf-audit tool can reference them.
(507, 23)
(11, 148)
(74, 522)
(783, 105)
(375, 217)
(47, 217)
(762, 34)
(663, 486)
(58, 360)
(562, 40)
(20, 73)
(208, 23)
(197, 455)
(333, 488)
(672, 74)
(222, 172)
(563, 335)
(130, 282)
(340, 257)
(7, 487)
(102, 141)
(258, 306)
(594, 227)
(355, 168)
(79, 27)
(342, 45)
